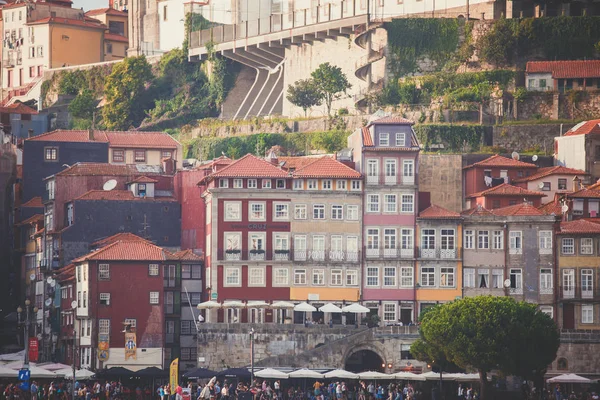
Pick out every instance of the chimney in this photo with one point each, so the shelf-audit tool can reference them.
(29, 133)
(168, 166)
(576, 183)
(272, 158)
(91, 134)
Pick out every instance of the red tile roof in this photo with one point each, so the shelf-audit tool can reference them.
(35, 202)
(143, 179)
(522, 209)
(111, 37)
(108, 11)
(122, 236)
(102, 169)
(70, 136)
(566, 69)
(367, 139)
(548, 171)
(32, 219)
(585, 194)
(65, 274)
(394, 149)
(551, 208)
(223, 160)
(507, 190)
(595, 186)
(478, 210)
(87, 23)
(585, 128)
(18, 108)
(437, 212)
(391, 121)
(188, 255)
(137, 250)
(500, 161)
(119, 139)
(297, 162)
(118, 195)
(579, 226)
(327, 167)
(250, 166)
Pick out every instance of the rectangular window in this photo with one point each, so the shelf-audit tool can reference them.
(568, 246)
(586, 246)
(390, 203)
(300, 277)
(587, 314)
(355, 185)
(400, 142)
(390, 172)
(312, 184)
(300, 211)
(51, 154)
(406, 277)
(406, 240)
(251, 183)
(389, 311)
(256, 244)
(140, 155)
(326, 184)
(516, 279)
(318, 277)
(104, 326)
(389, 276)
(256, 277)
(390, 238)
(408, 170)
(298, 184)
(469, 239)
(568, 281)
(546, 281)
(351, 277)
(372, 276)
(105, 299)
(407, 203)
(545, 242)
(498, 240)
(280, 184)
(340, 185)
(233, 211)
(587, 282)
(428, 239)
(281, 277)
(104, 271)
(373, 203)
(447, 277)
(336, 277)
(337, 212)
(427, 276)
(85, 296)
(266, 184)
(257, 212)
(497, 278)
(318, 211)
(483, 278)
(447, 236)
(352, 213)
(238, 183)
(281, 211)
(372, 238)
(562, 184)
(118, 156)
(483, 239)
(166, 154)
(384, 139)
(469, 277)
(224, 183)
(153, 269)
(154, 298)
(372, 171)
(232, 276)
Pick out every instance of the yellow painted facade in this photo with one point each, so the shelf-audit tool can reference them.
(325, 294)
(75, 45)
(153, 156)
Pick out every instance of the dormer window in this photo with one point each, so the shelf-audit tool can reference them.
(142, 189)
(400, 139)
(223, 183)
(384, 139)
(266, 184)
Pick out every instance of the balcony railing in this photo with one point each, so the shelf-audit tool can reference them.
(587, 294)
(387, 252)
(516, 290)
(326, 256)
(437, 253)
(281, 255)
(568, 293)
(233, 255)
(390, 179)
(257, 255)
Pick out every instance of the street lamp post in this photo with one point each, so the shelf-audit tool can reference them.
(26, 323)
(74, 308)
(252, 356)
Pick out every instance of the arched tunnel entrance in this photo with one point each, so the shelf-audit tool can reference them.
(364, 360)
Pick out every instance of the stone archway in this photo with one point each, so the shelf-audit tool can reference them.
(364, 360)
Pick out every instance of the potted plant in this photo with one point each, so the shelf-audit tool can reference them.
(257, 251)
(282, 251)
(233, 251)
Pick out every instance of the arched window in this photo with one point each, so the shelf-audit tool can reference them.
(562, 364)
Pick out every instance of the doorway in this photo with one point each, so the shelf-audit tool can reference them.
(364, 360)
(568, 316)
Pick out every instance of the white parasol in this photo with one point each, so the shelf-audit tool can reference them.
(433, 376)
(305, 373)
(341, 374)
(271, 373)
(233, 304)
(207, 305)
(355, 308)
(79, 374)
(330, 308)
(304, 307)
(409, 376)
(282, 304)
(374, 375)
(257, 304)
(568, 378)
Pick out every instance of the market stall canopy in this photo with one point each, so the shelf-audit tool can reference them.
(409, 376)
(568, 378)
(341, 374)
(233, 304)
(355, 309)
(200, 373)
(271, 373)
(151, 372)
(208, 305)
(54, 366)
(432, 376)
(330, 308)
(240, 373)
(465, 377)
(374, 375)
(37, 372)
(282, 304)
(305, 373)
(19, 355)
(304, 307)
(80, 374)
(116, 372)
(8, 372)
(257, 304)
(18, 364)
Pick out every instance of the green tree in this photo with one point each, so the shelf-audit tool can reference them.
(304, 94)
(84, 105)
(124, 92)
(331, 82)
(497, 47)
(488, 333)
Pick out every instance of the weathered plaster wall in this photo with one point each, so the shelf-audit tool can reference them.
(441, 176)
(524, 137)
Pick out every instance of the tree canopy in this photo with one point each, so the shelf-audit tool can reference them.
(331, 82)
(488, 333)
(304, 94)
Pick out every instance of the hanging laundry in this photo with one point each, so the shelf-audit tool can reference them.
(488, 181)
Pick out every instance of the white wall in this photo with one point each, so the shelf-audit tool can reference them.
(532, 81)
(571, 151)
(171, 29)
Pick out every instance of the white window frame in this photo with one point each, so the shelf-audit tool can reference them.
(373, 203)
(340, 184)
(390, 311)
(281, 277)
(384, 139)
(586, 248)
(266, 184)
(400, 139)
(407, 206)
(223, 183)
(104, 272)
(567, 246)
(104, 297)
(252, 184)
(469, 239)
(372, 238)
(587, 313)
(545, 242)
(469, 277)
(300, 211)
(153, 269)
(483, 240)
(326, 184)
(337, 212)
(104, 326)
(352, 213)
(407, 277)
(238, 183)
(319, 215)
(300, 276)
(351, 277)
(232, 277)
(390, 278)
(232, 235)
(299, 184)
(336, 277)
(154, 298)
(251, 216)
(256, 277)
(587, 280)
(516, 242)
(426, 274)
(450, 274)
(312, 184)
(318, 277)
(498, 240)
(372, 276)
(231, 206)
(390, 207)
(261, 241)
(355, 186)
(284, 213)
(546, 284)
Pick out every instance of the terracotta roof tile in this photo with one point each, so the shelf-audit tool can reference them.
(109, 11)
(585, 194)
(548, 171)
(143, 179)
(551, 208)
(367, 139)
(70, 136)
(32, 219)
(500, 161)
(188, 255)
(295, 163)
(18, 108)
(105, 169)
(65, 274)
(137, 250)
(391, 121)
(566, 69)
(585, 128)
(122, 236)
(522, 209)
(69, 21)
(36, 202)
(476, 211)
(115, 38)
(223, 160)
(327, 167)
(506, 189)
(579, 226)
(394, 149)
(595, 186)
(118, 195)
(146, 140)
(437, 212)
(250, 166)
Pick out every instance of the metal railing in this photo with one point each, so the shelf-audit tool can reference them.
(278, 23)
(388, 252)
(438, 253)
(295, 255)
(384, 179)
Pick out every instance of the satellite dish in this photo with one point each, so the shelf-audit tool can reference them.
(32, 277)
(564, 208)
(534, 158)
(53, 284)
(541, 185)
(515, 156)
(110, 185)
(48, 302)
(507, 283)
(74, 304)
(49, 280)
